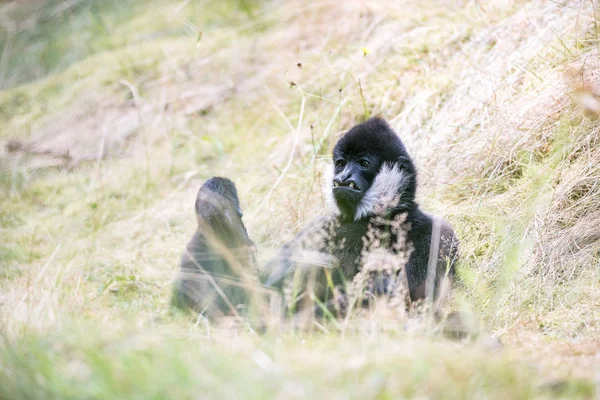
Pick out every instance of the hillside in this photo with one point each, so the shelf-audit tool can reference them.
(112, 114)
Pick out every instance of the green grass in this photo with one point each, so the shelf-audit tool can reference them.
(84, 366)
(478, 93)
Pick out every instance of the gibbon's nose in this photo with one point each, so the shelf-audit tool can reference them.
(337, 182)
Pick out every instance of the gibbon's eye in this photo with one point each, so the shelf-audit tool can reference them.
(340, 163)
(364, 163)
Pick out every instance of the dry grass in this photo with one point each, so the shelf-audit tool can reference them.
(110, 140)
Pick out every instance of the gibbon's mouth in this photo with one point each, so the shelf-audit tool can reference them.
(349, 187)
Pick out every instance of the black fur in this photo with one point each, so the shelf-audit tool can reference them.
(374, 182)
(215, 266)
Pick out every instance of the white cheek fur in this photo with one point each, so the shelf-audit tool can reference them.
(328, 190)
(386, 190)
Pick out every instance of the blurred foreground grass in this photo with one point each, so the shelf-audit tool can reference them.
(113, 113)
(155, 365)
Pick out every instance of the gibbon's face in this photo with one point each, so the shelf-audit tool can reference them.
(353, 176)
(358, 159)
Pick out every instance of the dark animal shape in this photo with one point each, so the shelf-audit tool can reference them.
(372, 188)
(217, 267)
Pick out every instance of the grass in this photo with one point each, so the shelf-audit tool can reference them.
(121, 111)
(259, 368)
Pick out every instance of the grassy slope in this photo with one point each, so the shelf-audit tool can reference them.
(486, 98)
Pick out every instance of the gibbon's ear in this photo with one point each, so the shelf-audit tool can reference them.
(403, 161)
